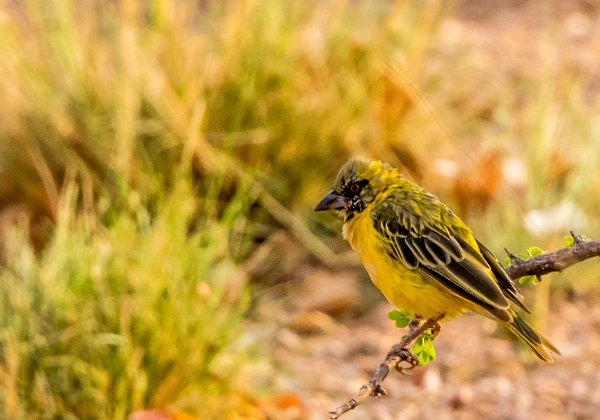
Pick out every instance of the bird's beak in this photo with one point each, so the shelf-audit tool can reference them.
(333, 200)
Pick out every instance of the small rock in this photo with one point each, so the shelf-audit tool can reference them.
(312, 322)
(463, 397)
(432, 380)
(288, 339)
(328, 292)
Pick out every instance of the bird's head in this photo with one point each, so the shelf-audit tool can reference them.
(359, 183)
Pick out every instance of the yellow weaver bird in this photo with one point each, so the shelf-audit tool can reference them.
(420, 255)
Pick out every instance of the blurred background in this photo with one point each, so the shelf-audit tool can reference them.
(160, 160)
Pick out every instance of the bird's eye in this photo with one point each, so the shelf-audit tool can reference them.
(354, 188)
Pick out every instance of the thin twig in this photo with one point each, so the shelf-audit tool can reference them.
(553, 261)
(398, 353)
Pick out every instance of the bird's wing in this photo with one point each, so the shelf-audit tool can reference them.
(442, 256)
(505, 282)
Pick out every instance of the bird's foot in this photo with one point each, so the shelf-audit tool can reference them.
(403, 354)
(435, 330)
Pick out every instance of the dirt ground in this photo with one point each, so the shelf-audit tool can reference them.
(478, 372)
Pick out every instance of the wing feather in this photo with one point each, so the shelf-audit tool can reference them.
(446, 258)
(406, 255)
(504, 280)
(417, 246)
(437, 252)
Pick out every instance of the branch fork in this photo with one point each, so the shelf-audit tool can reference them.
(556, 261)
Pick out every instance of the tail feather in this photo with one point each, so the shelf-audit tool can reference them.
(536, 341)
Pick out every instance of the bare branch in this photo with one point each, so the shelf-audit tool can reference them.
(553, 261)
(399, 353)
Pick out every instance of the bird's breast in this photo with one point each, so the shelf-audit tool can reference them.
(367, 242)
(358, 230)
(404, 288)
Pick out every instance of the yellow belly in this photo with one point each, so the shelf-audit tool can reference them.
(406, 289)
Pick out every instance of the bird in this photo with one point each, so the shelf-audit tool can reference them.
(421, 255)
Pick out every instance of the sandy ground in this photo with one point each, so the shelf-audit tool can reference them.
(478, 373)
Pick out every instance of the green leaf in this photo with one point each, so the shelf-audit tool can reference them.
(531, 252)
(423, 349)
(569, 241)
(401, 318)
(526, 280)
(535, 250)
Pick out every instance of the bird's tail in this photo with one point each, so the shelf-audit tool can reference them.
(536, 341)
